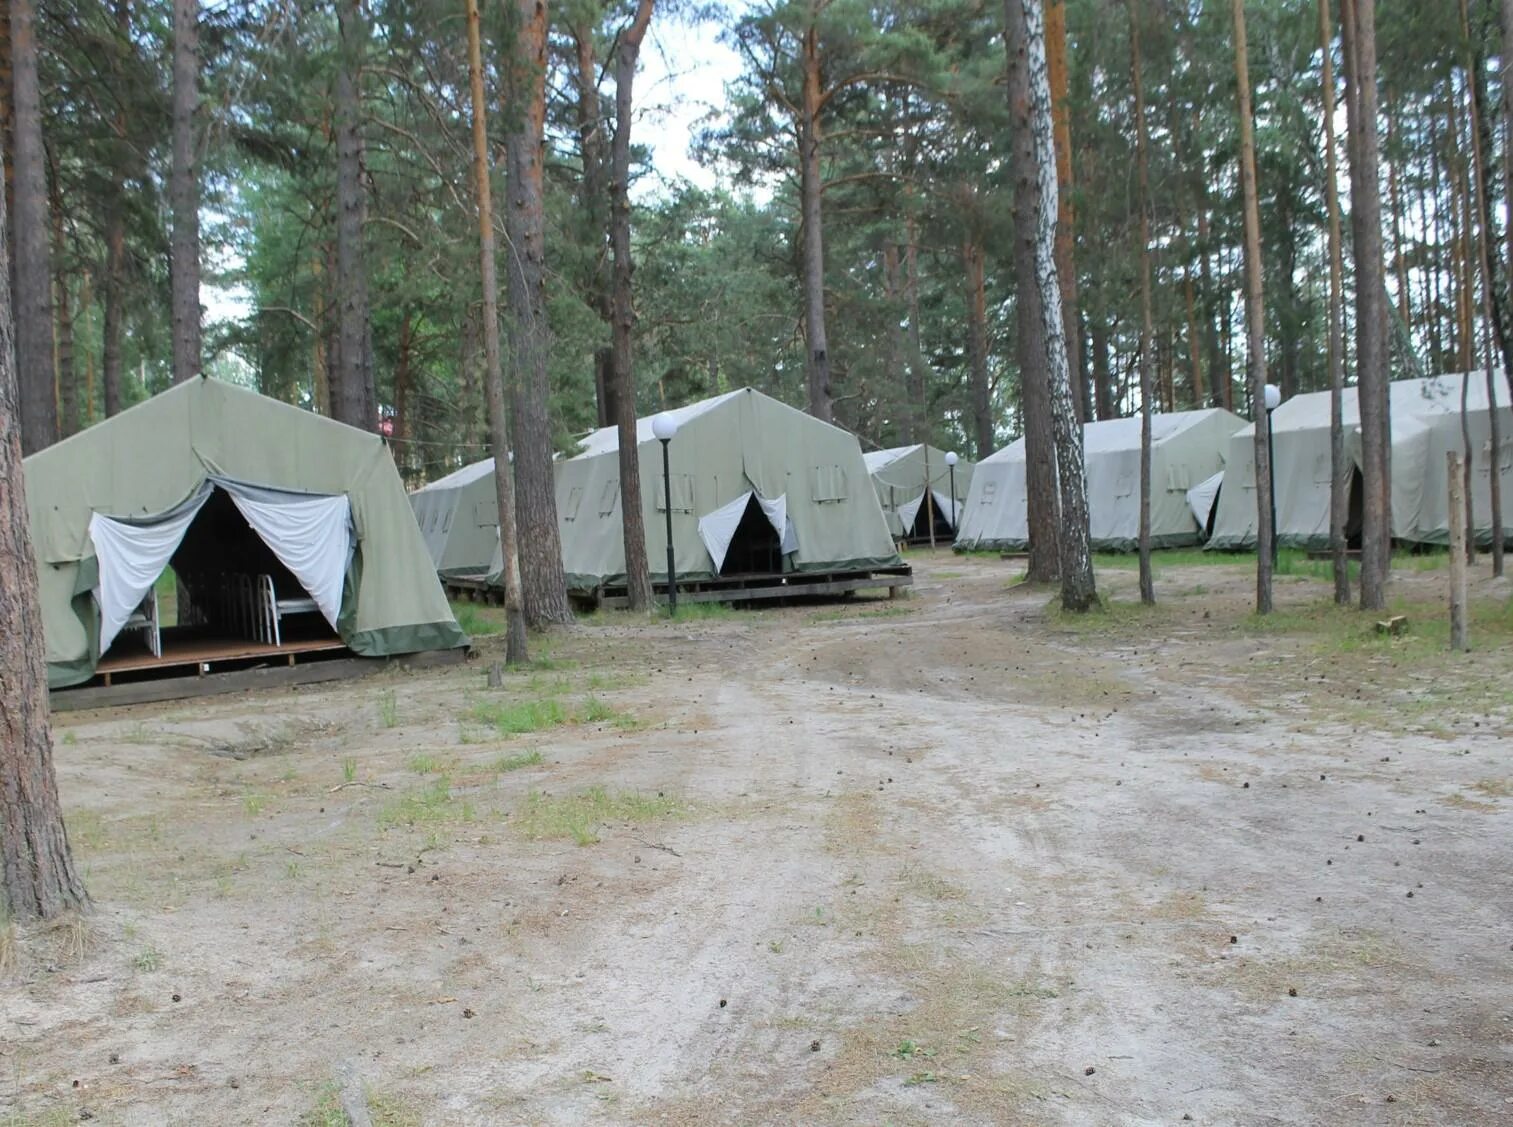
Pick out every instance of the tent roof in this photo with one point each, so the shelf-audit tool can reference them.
(607, 439)
(1110, 435)
(458, 478)
(882, 459)
(1433, 395)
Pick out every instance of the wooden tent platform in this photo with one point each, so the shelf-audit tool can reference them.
(205, 654)
(766, 587)
(267, 668)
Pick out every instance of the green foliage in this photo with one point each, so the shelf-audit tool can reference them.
(580, 816)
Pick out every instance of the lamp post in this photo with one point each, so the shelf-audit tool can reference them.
(1271, 399)
(663, 428)
(951, 461)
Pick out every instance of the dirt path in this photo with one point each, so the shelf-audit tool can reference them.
(944, 860)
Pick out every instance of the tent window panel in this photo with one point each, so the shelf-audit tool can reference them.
(682, 494)
(828, 484)
(446, 520)
(988, 490)
(486, 513)
(1125, 485)
(1504, 461)
(574, 501)
(1178, 479)
(610, 497)
(1321, 471)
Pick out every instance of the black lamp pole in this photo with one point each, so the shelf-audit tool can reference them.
(672, 575)
(1271, 477)
(953, 496)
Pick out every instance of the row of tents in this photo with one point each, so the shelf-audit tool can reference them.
(1203, 476)
(264, 510)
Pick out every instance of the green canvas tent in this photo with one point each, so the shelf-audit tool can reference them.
(1186, 448)
(223, 482)
(459, 520)
(901, 476)
(757, 487)
(1426, 422)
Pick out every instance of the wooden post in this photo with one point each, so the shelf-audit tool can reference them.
(1458, 637)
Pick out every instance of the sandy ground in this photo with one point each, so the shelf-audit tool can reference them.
(950, 859)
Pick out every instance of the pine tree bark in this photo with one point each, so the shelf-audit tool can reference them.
(975, 265)
(354, 398)
(115, 232)
(637, 569)
(1505, 12)
(1339, 477)
(1254, 317)
(1030, 347)
(541, 571)
(1103, 384)
(33, 267)
(1066, 219)
(1078, 591)
(1358, 18)
(594, 198)
(817, 347)
(1147, 329)
(914, 366)
(37, 875)
(515, 651)
(184, 193)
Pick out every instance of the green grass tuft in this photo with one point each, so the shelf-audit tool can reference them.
(507, 763)
(432, 804)
(513, 718)
(579, 816)
(477, 622)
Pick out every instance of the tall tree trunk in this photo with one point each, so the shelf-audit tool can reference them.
(817, 345)
(1485, 254)
(541, 570)
(37, 876)
(184, 192)
(1066, 220)
(974, 263)
(921, 430)
(594, 198)
(1078, 592)
(33, 268)
(1359, 22)
(115, 229)
(637, 570)
(1143, 204)
(895, 345)
(504, 484)
(1339, 477)
(63, 339)
(1043, 507)
(404, 378)
(1103, 386)
(1254, 318)
(354, 399)
(1506, 13)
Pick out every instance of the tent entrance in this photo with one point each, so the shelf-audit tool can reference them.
(936, 511)
(755, 548)
(257, 572)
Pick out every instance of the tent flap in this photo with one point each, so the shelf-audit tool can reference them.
(717, 529)
(311, 535)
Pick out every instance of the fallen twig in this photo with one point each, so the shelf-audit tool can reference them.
(657, 845)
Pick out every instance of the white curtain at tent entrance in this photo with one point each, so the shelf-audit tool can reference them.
(131, 557)
(311, 536)
(717, 529)
(910, 509)
(1201, 498)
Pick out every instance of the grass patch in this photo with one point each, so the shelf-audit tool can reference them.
(476, 622)
(388, 709)
(1494, 788)
(432, 804)
(147, 960)
(424, 764)
(349, 769)
(579, 816)
(506, 763)
(385, 1111)
(513, 718)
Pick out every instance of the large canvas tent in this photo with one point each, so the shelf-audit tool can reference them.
(757, 488)
(219, 481)
(1187, 447)
(458, 517)
(1426, 422)
(901, 475)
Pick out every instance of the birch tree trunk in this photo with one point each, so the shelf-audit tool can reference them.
(33, 271)
(1147, 332)
(1506, 12)
(637, 570)
(1043, 507)
(1358, 18)
(1078, 591)
(1066, 219)
(354, 400)
(184, 193)
(817, 344)
(37, 876)
(1254, 318)
(541, 571)
(1339, 476)
(504, 484)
